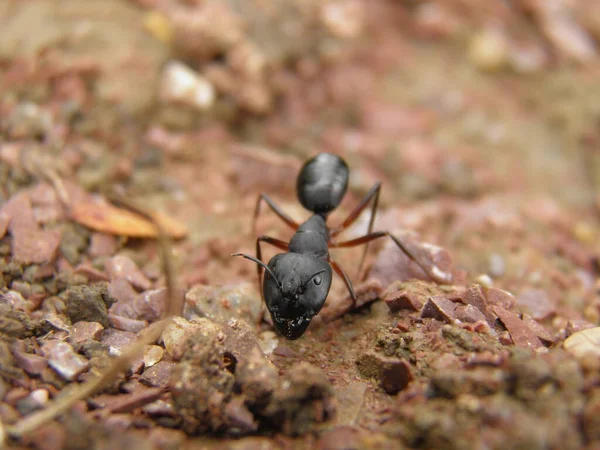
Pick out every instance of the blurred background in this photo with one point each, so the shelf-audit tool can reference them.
(469, 113)
(482, 120)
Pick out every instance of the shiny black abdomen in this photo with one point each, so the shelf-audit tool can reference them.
(322, 183)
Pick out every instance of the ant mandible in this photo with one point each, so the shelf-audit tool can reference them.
(296, 283)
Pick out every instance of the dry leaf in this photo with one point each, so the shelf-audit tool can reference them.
(100, 216)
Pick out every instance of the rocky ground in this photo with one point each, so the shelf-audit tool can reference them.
(482, 124)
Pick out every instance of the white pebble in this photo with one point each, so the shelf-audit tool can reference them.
(182, 84)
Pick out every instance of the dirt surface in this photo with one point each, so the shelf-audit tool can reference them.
(481, 123)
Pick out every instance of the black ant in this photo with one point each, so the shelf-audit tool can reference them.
(296, 283)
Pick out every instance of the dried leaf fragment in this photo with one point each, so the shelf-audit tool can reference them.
(106, 218)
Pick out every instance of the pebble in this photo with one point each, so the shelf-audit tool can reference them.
(63, 359)
(520, 333)
(152, 355)
(102, 245)
(268, 341)
(127, 324)
(30, 363)
(497, 265)
(159, 374)
(83, 330)
(439, 308)
(489, 50)
(181, 84)
(403, 299)
(117, 340)
(537, 303)
(223, 303)
(584, 344)
(474, 296)
(393, 374)
(176, 334)
(122, 266)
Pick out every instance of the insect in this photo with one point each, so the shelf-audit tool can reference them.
(296, 283)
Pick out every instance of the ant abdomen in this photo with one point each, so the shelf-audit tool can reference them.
(322, 183)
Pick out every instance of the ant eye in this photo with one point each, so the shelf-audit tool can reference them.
(317, 280)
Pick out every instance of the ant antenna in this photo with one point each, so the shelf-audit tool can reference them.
(259, 262)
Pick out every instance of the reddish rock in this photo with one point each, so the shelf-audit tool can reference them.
(121, 266)
(520, 333)
(400, 298)
(151, 305)
(392, 264)
(102, 245)
(439, 308)
(393, 374)
(121, 290)
(474, 296)
(30, 363)
(537, 303)
(117, 340)
(540, 330)
(127, 324)
(500, 298)
(158, 374)
(82, 331)
(91, 273)
(469, 314)
(63, 359)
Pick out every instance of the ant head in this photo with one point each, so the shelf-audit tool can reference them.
(295, 289)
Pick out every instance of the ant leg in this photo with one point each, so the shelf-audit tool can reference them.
(435, 273)
(282, 245)
(373, 194)
(276, 209)
(342, 274)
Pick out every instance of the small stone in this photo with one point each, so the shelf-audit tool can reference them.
(474, 296)
(537, 303)
(117, 340)
(223, 303)
(439, 308)
(238, 417)
(181, 84)
(152, 355)
(520, 333)
(392, 264)
(393, 374)
(30, 244)
(500, 298)
(584, 344)
(82, 331)
(89, 303)
(91, 273)
(63, 359)
(497, 265)
(151, 305)
(122, 290)
(573, 326)
(489, 50)
(540, 330)
(159, 374)
(121, 266)
(40, 396)
(102, 245)
(176, 334)
(469, 314)
(127, 324)
(268, 341)
(402, 299)
(30, 363)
